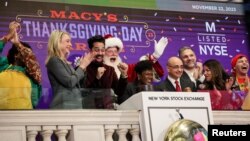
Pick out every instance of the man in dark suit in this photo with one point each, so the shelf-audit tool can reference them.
(192, 68)
(174, 82)
(100, 75)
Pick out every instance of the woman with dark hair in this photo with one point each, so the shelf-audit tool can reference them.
(219, 83)
(215, 76)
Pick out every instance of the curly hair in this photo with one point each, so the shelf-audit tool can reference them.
(143, 66)
(13, 52)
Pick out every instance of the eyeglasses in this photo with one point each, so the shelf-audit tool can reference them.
(177, 67)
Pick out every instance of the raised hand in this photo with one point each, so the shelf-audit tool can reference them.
(123, 67)
(229, 83)
(160, 47)
(15, 38)
(13, 27)
(100, 72)
(198, 70)
(86, 60)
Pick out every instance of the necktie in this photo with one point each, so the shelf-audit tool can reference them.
(178, 88)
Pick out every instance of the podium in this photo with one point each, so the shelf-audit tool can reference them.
(158, 110)
(93, 98)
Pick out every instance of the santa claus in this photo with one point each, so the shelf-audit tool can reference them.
(114, 45)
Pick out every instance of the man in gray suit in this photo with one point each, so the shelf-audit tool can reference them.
(174, 82)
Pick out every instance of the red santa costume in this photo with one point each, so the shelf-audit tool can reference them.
(114, 60)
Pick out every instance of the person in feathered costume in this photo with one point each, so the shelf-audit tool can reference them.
(240, 87)
(240, 68)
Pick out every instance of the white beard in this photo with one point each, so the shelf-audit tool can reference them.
(113, 64)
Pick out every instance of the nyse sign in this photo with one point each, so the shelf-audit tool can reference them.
(211, 43)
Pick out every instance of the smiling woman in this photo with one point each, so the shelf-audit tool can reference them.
(215, 75)
(144, 71)
(64, 79)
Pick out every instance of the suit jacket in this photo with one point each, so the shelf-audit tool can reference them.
(168, 86)
(130, 90)
(107, 81)
(64, 81)
(185, 76)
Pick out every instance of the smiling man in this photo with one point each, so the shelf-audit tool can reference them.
(240, 68)
(114, 46)
(100, 75)
(192, 68)
(174, 81)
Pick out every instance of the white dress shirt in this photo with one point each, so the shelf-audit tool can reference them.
(172, 80)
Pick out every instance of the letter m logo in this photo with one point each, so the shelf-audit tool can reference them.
(210, 27)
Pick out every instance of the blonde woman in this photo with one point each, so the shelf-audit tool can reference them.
(64, 79)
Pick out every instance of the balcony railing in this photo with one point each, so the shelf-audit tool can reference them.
(85, 125)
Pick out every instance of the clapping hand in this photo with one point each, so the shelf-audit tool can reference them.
(198, 70)
(86, 60)
(229, 83)
(12, 34)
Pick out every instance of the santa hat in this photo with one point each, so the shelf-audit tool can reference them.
(111, 41)
(235, 59)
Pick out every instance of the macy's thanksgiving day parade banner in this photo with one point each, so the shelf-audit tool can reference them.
(211, 35)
